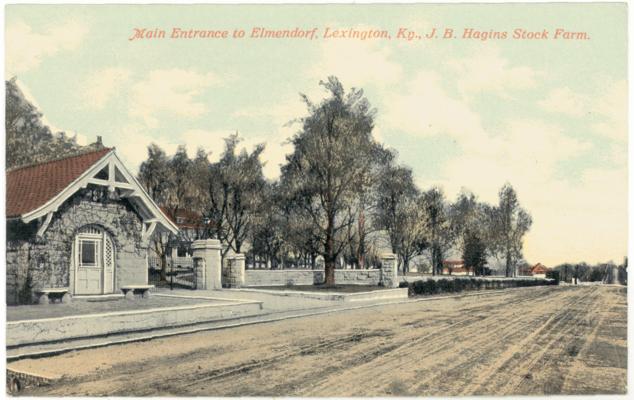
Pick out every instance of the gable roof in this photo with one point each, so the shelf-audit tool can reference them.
(38, 191)
(29, 188)
(538, 268)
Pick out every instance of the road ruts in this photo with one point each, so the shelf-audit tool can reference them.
(528, 341)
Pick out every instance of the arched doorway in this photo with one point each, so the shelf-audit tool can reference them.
(93, 258)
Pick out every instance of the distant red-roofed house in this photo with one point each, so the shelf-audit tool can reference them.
(539, 271)
(454, 267)
(191, 224)
(80, 223)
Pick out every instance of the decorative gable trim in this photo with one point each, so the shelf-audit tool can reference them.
(131, 189)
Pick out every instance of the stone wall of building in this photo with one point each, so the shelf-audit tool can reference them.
(49, 258)
(17, 270)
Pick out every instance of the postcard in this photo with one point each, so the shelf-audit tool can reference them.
(316, 200)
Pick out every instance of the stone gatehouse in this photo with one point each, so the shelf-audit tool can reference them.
(81, 223)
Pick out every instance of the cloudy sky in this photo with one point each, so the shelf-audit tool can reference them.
(548, 116)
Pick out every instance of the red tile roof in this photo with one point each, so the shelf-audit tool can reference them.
(539, 269)
(188, 218)
(30, 187)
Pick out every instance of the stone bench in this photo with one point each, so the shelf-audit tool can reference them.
(46, 295)
(130, 290)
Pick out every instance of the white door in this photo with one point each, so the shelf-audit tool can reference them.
(94, 262)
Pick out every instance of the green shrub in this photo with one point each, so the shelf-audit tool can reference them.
(443, 285)
(430, 286)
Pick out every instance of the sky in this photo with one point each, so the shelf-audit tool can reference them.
(548, 116)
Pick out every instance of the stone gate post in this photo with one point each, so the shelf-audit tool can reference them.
(389, 277)
(235, 270)
(206, 254)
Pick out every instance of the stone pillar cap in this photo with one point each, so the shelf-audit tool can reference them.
(206, 244)
(388, 255)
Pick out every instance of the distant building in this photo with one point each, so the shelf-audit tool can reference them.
(539, 270)
(190, 223)
(454, 267)
(192, 226)
(524, 269)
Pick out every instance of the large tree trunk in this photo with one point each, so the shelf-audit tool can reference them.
(163, 267)
(330, 272)
(330, 258)
(361, 252)
(436, 260)
(405, 265)
(508, 264)
(161, 252)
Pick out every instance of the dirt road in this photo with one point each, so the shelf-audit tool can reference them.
(529, 341)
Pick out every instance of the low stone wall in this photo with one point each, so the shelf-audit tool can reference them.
(281, 277)
(370, 277)
(298, 277)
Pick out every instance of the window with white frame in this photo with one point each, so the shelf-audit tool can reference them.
(88, 253)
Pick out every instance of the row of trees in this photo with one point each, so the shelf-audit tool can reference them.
(583, 272)
(340, 195)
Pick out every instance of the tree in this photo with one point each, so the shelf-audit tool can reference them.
(474, 252)
(269, 233)
(168, 180)
(438, 224)
(510, 223)
(622, 272)
(332, 153)
(28, 139)
(154, 175)
(199, 181)
(180, 194)
(565, 271)
(363, 236)
(467, 219)
(234, 186)
(471, 225)
(398, 213)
